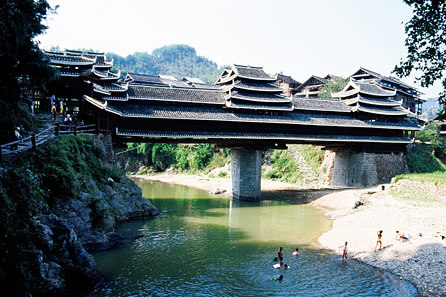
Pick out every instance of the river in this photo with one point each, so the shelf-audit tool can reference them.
(205, 245)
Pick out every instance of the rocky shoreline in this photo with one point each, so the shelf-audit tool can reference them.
(63, 263)
(358, 214)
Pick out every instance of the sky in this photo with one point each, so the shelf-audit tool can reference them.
(294, 37)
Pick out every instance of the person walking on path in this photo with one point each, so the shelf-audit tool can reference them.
(67, 122)
(54, 113)
(379, 240)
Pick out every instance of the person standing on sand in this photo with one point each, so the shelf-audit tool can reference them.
(379, 240)
(344, 251)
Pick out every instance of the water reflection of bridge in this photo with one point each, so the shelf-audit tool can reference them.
(247, 112)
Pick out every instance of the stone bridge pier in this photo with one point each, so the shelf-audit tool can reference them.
(246, 169)
(360, 169)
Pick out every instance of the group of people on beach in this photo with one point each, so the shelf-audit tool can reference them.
(400, 236)
(281, 265)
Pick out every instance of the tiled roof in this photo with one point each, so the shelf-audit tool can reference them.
(129, 109)
(324, 105)
(193, 80)
(362, 87)
(379, 101)
(259, 136)
(143, 78)
(259, 97)
(255, 73)
(287, 79)
(255, 86)
(60, 58)
(115, 87)
(373, 89)
(108, 75)
(392, 111)
(379, 77)
(239, 105)
(191, 95)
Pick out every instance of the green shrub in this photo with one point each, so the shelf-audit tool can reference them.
(421, 160)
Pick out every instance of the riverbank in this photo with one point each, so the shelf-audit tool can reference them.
(421, 261)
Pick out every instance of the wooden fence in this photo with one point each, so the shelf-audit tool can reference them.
(33, 141)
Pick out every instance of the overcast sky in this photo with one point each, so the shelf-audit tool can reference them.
(299, 38)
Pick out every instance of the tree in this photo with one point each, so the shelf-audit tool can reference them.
(333, 86)
(23, 64)
(426, 45)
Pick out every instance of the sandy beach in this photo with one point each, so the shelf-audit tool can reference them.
(421, 260)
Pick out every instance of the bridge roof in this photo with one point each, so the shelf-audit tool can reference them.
(324, 105)
(200, 113)
(174, 94)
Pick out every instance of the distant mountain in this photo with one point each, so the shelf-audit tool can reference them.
(431, 107)
(178, 60)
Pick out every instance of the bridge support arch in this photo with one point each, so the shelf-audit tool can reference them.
(246, 169)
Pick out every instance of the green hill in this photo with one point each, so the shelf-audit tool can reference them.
(178, 60)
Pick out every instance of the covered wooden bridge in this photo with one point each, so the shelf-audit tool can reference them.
(246, 112)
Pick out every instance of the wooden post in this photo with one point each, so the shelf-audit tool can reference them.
(57, 129)
(75, 130)
(33, 141)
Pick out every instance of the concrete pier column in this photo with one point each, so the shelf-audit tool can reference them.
(246, 168)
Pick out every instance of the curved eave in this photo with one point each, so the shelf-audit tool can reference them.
(101, 91)
(254, 107)
(107, 75)
(270, 89)
(75, 74)
(176, 100)
(71, 63)
(270, 79)
(102, 105)
(116, 98)
(380, 103)
(258, 136)
(340, 95)
(95, 102)
(225, 79)
(304, 94)
(382, 112)
(390, 94)
(254, 99)
(194, 117)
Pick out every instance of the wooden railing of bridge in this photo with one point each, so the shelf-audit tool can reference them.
(36, 139)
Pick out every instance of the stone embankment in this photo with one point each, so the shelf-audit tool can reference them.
(70, 232)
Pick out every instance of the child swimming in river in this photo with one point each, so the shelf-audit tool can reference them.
(296, 252)
(279, 278)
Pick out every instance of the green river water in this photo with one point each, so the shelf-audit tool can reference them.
(205, 245)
